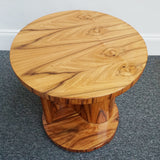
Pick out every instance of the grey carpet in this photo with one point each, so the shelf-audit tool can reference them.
(22, 135)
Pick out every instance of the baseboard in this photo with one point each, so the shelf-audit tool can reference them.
(6, 38)
(152, 41)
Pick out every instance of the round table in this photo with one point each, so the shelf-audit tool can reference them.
(77, 62)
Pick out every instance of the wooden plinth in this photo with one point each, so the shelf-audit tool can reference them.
(73, 129)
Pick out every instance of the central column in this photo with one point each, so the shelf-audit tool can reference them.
(96, 112)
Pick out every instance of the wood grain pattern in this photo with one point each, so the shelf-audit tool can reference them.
(96, 112)
(70, 131)
(78, 62)
(93, 113)
(78, 55)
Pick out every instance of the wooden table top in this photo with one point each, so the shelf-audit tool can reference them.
(78, 54)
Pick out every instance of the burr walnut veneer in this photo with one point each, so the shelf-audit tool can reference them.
(78, 62)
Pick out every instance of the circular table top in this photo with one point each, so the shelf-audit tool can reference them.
(78, 54)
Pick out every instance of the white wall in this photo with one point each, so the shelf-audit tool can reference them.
(143, 15)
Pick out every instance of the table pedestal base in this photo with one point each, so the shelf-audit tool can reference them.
(72, 132)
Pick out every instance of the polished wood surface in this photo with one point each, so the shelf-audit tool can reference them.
(93, 113)
(78, 62)
(70, 131)
(96, 112)
(78, 55)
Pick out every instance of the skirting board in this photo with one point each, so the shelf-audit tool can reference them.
(152, 41)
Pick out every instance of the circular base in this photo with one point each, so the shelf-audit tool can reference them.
(70, 131)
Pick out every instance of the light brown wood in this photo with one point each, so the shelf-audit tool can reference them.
(70, 131)
(78, 55)
(96, 112)
(78, 62)
(93, 113)
(47, 108)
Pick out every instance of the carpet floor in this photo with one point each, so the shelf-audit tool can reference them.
(22, 136)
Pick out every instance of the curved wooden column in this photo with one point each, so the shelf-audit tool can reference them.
(96, 112)
(93, 113)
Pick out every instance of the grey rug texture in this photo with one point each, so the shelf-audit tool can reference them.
(22, 136)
